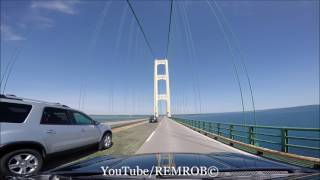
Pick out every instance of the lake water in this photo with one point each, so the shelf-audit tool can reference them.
(302, 117)
(108, 118)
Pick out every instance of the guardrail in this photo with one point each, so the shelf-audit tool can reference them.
(248, 135)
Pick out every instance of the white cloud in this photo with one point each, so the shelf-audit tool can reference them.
(42, 21)
(63, 6)
(37, 17)
(8, 34)
(35, 21)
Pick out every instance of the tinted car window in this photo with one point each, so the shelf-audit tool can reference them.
(81, 119)
(55, 116)
(13, 113)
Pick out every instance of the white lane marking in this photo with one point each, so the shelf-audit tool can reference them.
(150, 136)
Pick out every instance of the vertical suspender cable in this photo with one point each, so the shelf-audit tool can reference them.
(80, 96)
(116, 54)
(133, 89)
(233, 57)
(169, 29)
(178, 96)
(141, 29)
(193, 55)
(92, 44)
(10, 67)
(184, 20)
(131, 40)
(182, 99)
(241, 59)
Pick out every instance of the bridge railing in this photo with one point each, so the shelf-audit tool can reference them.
(254, 134)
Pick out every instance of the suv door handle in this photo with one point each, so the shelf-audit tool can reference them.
(50, 131)
(83, 130)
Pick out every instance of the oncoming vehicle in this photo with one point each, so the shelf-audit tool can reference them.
(153, 119)
(31, 130)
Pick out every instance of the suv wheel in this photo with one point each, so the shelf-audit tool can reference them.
(21, 162)
(106, 141)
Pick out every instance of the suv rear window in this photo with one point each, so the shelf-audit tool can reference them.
(55, 116)
(14, 113)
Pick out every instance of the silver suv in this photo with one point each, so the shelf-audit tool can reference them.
(30, 130)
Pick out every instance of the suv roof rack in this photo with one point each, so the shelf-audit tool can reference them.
(11, 96)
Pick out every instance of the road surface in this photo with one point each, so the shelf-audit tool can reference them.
(116, 123)
(171, 136)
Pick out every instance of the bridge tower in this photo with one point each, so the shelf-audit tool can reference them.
(161, 97)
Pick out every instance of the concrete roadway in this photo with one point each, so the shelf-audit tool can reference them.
(171, 136)
(113, 123)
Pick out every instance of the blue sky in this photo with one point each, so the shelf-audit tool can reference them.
(60, 47)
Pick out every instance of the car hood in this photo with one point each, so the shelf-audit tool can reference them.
(222, 161)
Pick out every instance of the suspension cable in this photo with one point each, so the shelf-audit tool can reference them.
(93, 41)
(80, 95)
(233, 57)
(179, 90)
(8, 65)
(169, 30)
(131, 41)
(182, 100)
(116, 53)
(193, 55)
(11, 66)
(241, 59)
(184, 20)
(11, 63)
(141, 29)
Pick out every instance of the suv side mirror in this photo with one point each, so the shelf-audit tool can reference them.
(96, 122)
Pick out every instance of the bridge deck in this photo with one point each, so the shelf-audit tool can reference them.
(173, 137)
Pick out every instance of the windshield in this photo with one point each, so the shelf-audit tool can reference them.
(221, 86)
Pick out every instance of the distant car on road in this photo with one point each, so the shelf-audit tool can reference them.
(31, 130)
(153, 119)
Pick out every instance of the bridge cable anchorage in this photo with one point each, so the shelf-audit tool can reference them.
(141, 29)
(232, 54)
(242, 59)
(169, 29)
